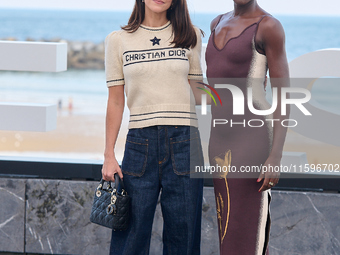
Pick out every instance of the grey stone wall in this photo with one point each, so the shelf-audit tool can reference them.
(12, 215)
(305, 223)
(52, 217)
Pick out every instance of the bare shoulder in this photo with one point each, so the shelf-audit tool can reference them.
(270, 36)
(271, 25)
(216, 20)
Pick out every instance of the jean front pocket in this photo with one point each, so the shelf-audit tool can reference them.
(135, 156)
(186, 152)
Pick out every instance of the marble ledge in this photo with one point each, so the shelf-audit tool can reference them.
(57, 220)
(305, 223)
(12, 215)
(57, 216)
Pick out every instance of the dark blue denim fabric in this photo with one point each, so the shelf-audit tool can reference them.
(157, 159)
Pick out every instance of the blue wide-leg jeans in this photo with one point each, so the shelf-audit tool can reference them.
(157, 159)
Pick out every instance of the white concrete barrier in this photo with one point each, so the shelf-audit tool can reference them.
(28, 117)
(33, 56)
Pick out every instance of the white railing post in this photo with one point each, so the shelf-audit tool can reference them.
(32, 57)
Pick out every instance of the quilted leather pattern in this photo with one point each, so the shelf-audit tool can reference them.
(119, 220)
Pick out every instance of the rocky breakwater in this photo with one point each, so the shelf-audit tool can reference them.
(85, 55)
(80, 55)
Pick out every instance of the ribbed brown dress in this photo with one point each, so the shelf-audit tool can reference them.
(242, 212)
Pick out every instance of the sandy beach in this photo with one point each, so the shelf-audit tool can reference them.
(76, 136)
(83, 136)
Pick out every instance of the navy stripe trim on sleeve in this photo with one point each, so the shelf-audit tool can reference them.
(115, 80)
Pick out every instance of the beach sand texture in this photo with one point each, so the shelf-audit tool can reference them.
(76, 136)
(83, 136)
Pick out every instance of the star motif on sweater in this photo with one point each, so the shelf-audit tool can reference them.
(155, 41)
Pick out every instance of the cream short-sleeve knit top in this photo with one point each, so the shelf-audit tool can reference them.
(155, 75)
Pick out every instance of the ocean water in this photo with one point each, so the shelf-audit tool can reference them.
(303, 33)
(87, 89)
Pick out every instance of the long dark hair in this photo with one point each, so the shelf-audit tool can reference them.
(178, 14)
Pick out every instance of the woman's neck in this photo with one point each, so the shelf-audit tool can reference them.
(153, 19)
(245, 9)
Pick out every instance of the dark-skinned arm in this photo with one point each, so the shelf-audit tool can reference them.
(272, 40)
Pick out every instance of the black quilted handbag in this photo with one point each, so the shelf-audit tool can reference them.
(111, 207)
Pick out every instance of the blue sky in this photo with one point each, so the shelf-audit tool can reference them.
(304, 7)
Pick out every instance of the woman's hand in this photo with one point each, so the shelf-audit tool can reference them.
(110, 168)
(270, 173)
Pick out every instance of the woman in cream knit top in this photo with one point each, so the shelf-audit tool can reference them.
(151, 60)
(155, 75)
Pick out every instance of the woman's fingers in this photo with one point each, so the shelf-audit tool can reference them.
(265, 185)
(119, 171)
(109, 169)
(268, 183)
(260, 177)
(107, 175)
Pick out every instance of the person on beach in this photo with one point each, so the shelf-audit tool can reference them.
(152, 59)
(243, 45)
